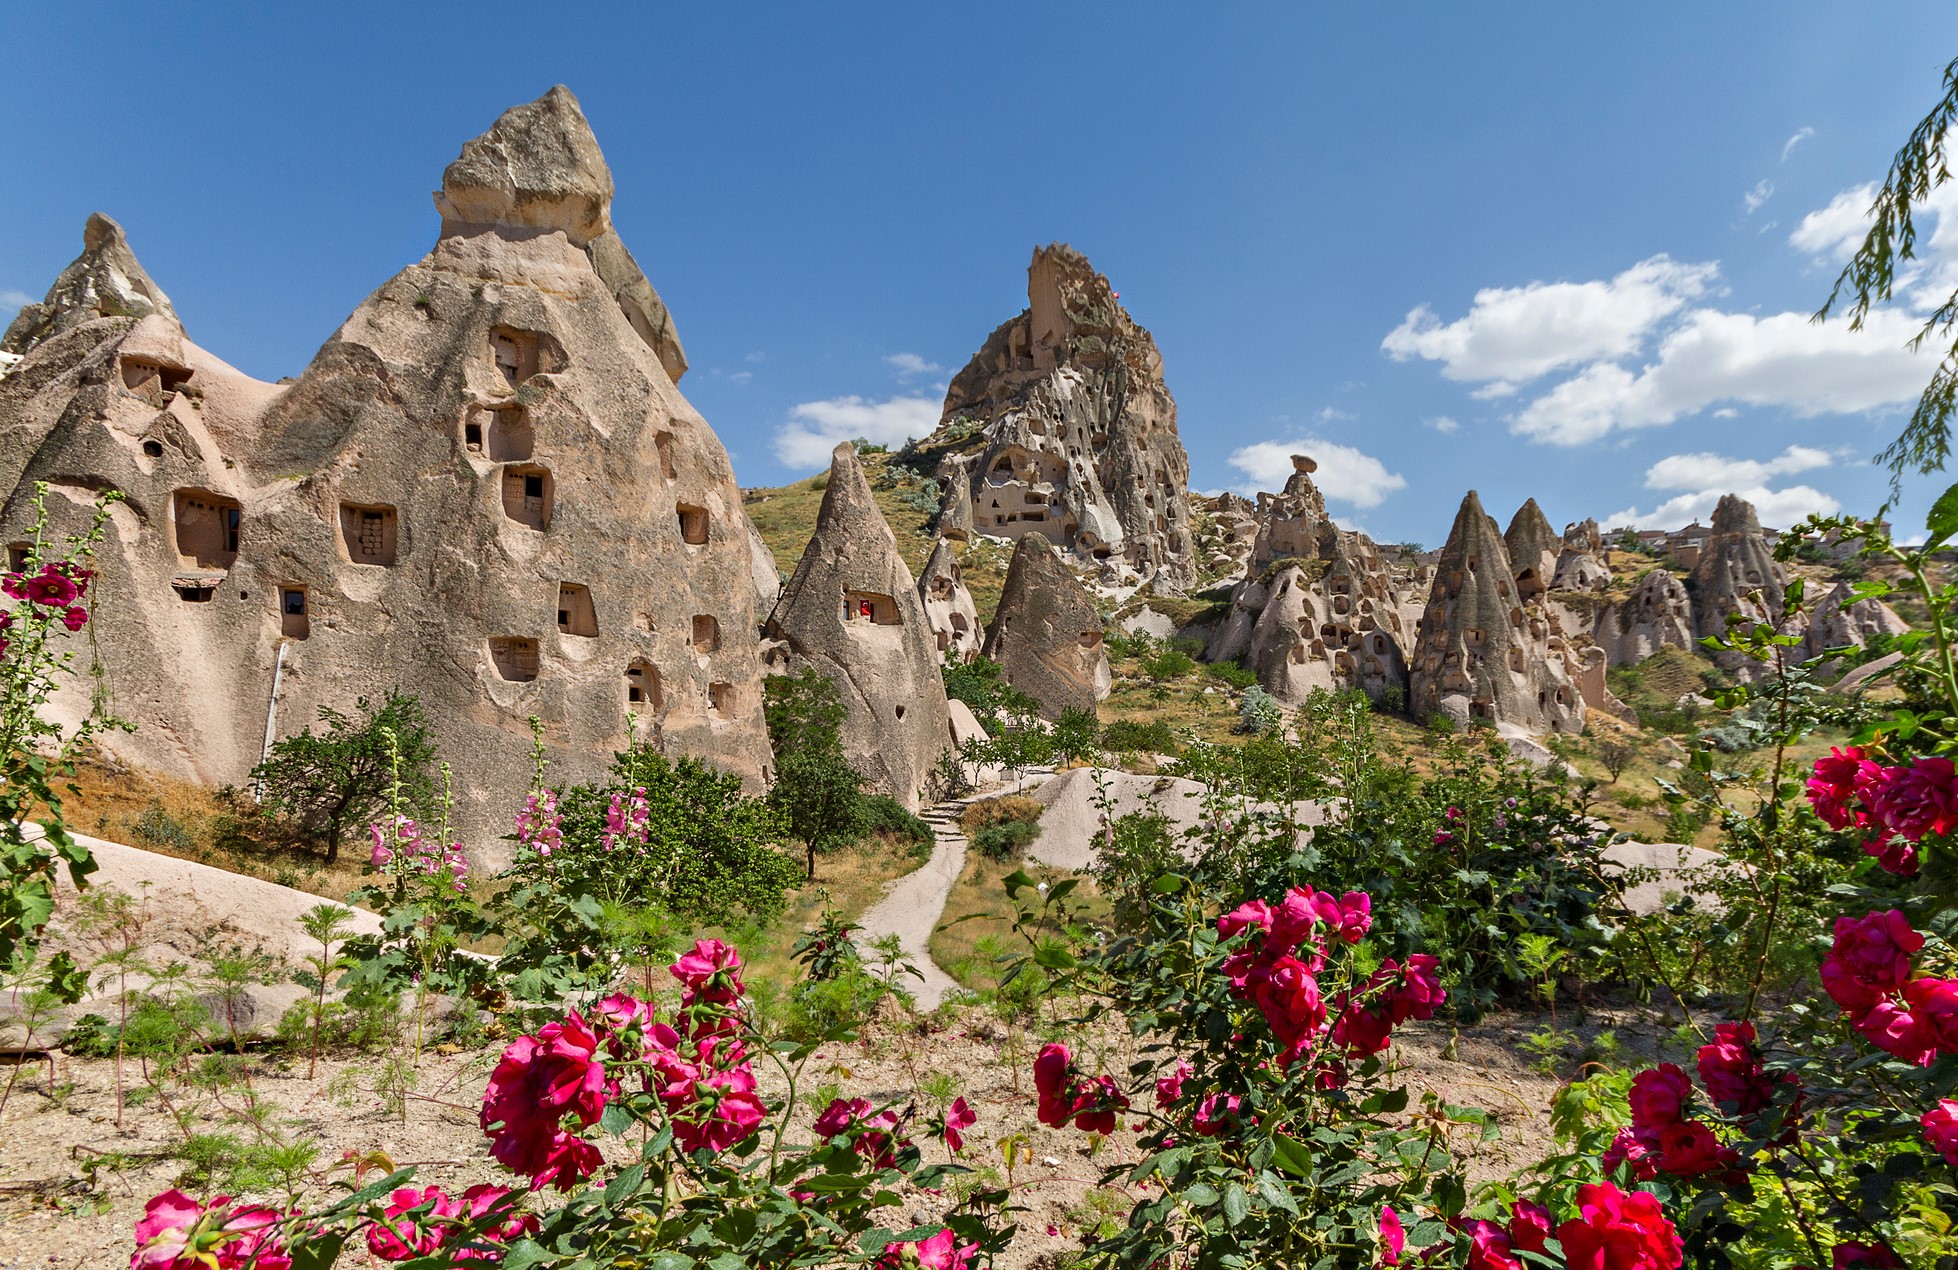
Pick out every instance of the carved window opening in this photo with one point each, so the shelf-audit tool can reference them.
(869, 606)
(472, 437)
(515, 353)
(1089, 640)
(155, 383)
(898, 711)
(693, 524)
(194, 590)
(720, 700)
(153, 448)
(642, 688)
(505, 434)
(527, 495)
(575, 614)
(17, 553)
(514, 658)
(706, 633)
(1516, 660)
(295, 617)
(370, 533)
(207, 527)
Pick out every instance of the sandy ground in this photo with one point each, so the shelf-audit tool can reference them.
(60, 1116)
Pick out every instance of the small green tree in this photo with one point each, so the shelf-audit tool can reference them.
(1076, 735)
(342, 777)
(817, 793)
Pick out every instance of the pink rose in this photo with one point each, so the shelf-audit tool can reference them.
(1393, 1239)
(1941, 1130)
(1658, 1096)
(1530, 1226)
(940, 1252)
(1489, 1247)
(1242, 918)
(1169, 1088)
(1856, 1255)
(1832, 789)
(1870, 958)
(1897, 1032)
(1934, 1004)
(958, 1118)
(1917, 800)
(1616, 1231)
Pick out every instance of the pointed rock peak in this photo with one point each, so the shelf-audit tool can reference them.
(1529, 518)
(848, 491)
(1735, 515)
(1064, 292)
(943, 564)
(1530, 537)
(538, 167)
(104, 281)
(1471, 522)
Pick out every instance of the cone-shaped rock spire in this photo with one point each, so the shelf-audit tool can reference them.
(105, 281)
(1533, 547)
(1046, 634)
(949, 607)
(851, 611)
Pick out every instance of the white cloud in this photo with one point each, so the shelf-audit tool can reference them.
(1514, 334)
(1782, 360)
(14, 299)
(910, 364)
(1704, 471)
(742, 376)
(1345, 474)
(817, 426)
(1330, 415)
(1836, 231)
(1444, 424)
(1776, 507)
(1788, 147)
(1705, 477)
(758, 357)
(1763, 191)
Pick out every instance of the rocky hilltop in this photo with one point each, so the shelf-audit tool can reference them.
(1061, 426)
(486, 489)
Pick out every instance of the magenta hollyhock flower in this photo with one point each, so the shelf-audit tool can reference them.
(1217, 1114)
(1934, 1004)
(15, 585)
(1419, 992)
(958, 1118)
(1242, 918)
(1616, 1231)
(1051, 1068)
(1730, 1069)
(538, 1082)
(1658, 1096)
(1897, 1032)
(940, 1252)
(1393, 1239)
(176, 1232)
(1832, 790)
(1530, 1225)
(1918, 800)
(51, 589)
(1636, 1148)
(1870, 958)
(75, 617)
(1941, 1129)
(1489, 1247)
(1169, 1088)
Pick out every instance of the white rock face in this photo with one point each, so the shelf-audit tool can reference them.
(1079, 433)
(486, 489)
(1580, 565)
(1046, 634)
(1657, 615)
(949, 609)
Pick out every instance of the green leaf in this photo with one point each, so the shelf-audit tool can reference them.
(1294, 1157)
(1016, 881)
(321, 1251)
(621, 1187)
(1237, 1205)
(1943, 520)
(1275, 1194)
(1201, 1195)
(1053, 957)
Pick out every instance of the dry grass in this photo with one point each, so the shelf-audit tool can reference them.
(977, 910)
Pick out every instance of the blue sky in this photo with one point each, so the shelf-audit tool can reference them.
(1542, 250)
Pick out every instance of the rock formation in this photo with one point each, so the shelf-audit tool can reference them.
(1046, 635)
(1839, 620)
(1072, 433)
(1485, 652)
(105, 281)
(485, 490)
(1581, 563)
(1533, 547)
(1225, 527)
(953, 617)
(851, 611)
(1658, 614)
(1735, 572)
(1319, 609)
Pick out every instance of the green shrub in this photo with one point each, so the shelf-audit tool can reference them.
(1006, 809)
(1259, 712)
(158, 830)
(888, 817)
(818, 1007)
(1232, 673)
(1003, 842)
(1171, 663)
(1132, 736)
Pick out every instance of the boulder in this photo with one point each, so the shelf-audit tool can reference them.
(1077, 433)
(1581, 563)
(1484, 652)
(1046, 634)
(852, 612)
(953, 617)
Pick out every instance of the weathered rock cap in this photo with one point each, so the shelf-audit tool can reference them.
(104, 281)
(538, 167)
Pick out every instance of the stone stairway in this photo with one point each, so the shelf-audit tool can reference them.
(915, 902)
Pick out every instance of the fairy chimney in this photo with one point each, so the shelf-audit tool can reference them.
(1533, 547)
(1046, 634)
(1076, 439)
(1484, 652)
(1657, 615)
(1736, 573)
(851, 611)
(1581, 562)
(949, 610)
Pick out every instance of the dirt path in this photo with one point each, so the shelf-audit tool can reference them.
(916, 901)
